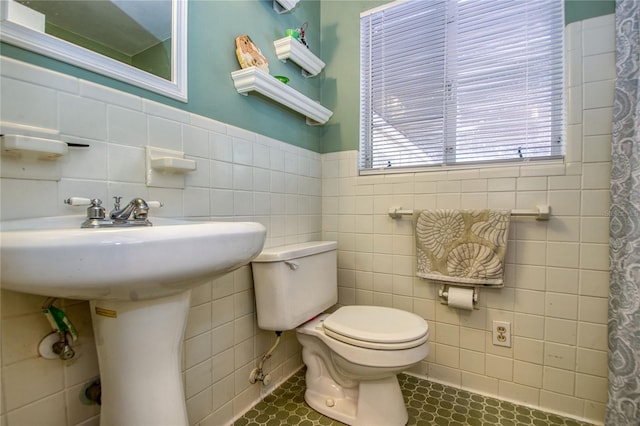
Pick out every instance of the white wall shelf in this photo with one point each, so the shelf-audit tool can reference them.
(253, 79)
(290, 48)
(284, 6)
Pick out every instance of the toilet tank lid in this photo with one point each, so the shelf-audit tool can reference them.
(294, 251)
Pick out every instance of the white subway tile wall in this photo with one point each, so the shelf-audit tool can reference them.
(557, 272)
(556, 287)
(240, 176)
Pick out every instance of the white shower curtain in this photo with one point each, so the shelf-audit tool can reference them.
(623, 407)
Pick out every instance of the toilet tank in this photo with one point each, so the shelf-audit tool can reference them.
(294, 283)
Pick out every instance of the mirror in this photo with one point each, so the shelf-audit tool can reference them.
(141, 42)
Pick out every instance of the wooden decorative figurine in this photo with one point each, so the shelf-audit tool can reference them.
(249, 55)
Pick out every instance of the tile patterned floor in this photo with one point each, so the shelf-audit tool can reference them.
(428, 404)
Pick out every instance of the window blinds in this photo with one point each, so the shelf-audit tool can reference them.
(458, 82)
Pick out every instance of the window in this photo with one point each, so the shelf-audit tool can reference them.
(461, 81)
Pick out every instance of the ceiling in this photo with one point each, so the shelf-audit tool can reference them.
(128, 26)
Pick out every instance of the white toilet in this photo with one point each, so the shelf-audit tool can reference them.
(352, 355)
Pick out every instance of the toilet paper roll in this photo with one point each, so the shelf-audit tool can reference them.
(460, 298)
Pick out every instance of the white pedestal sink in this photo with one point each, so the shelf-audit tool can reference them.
(138, 282)
(139, 357)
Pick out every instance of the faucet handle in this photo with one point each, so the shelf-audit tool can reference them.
(95, 209)
(81, 201)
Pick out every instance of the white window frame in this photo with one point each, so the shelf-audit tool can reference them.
(449, 142)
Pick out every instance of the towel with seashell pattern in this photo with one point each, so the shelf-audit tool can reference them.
(462, 246)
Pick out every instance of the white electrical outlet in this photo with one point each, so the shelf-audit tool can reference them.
(501, 333)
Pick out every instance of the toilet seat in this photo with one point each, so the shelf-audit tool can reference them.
(376, 327)
(358, 354)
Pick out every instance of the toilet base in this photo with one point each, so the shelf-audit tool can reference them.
(373, 402)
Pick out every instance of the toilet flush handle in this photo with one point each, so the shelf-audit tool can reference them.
(292, 265)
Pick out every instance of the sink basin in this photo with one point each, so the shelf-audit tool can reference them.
(55, 257)
(138, 282)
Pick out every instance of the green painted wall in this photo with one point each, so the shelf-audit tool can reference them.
(333, 34)
(213, 27)
(579, 10)
(212, 58)
(341, 90)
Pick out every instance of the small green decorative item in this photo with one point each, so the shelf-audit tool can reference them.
(282, 78)
(291, 32)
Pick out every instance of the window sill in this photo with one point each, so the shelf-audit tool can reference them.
(553, 167)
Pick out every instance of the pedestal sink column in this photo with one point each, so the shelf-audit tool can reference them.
(139, 347)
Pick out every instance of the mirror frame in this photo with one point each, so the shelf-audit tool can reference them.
(53, 47)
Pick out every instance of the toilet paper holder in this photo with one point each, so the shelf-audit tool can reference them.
(443, 292)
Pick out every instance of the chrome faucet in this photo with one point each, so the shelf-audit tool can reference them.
(133, 214)
(138, 207)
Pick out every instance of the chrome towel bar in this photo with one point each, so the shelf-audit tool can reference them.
(541, 212)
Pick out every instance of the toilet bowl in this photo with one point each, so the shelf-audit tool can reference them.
(352, 355)
(356, 382)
